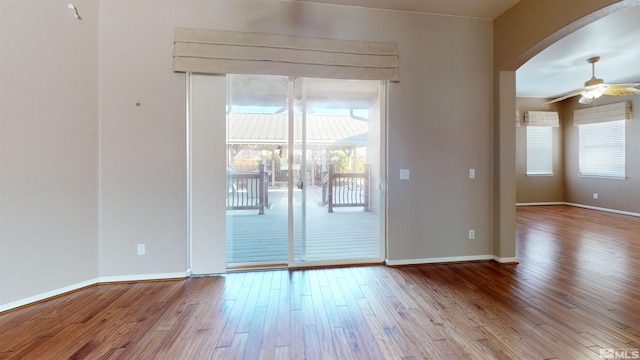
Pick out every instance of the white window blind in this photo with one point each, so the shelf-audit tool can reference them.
(539, 150)
(230, 52)
(602, 149)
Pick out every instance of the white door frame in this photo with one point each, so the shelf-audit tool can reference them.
(206, 145)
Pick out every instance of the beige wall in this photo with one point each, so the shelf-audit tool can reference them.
(538, 189)
(48, 147)
(429, 132)
(87, 174)
(142, 150)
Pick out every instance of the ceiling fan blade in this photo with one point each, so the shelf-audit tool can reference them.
(627, 91)
(566, 96)
(622, 86)
(622, 89)
(595, 88)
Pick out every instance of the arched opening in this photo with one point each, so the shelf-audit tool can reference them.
(518, 36)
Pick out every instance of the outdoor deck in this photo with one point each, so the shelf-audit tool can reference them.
(347, 233)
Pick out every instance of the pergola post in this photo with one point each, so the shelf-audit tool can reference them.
(330, 200)
(367, 189)
(261, 190)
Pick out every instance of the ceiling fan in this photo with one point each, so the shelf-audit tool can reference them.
(297, 105)
(594, 88)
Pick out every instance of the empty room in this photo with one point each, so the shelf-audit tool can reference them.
(189, 179)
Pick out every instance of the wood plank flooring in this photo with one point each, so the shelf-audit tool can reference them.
(575, 293)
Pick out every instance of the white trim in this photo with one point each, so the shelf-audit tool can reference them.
(602, 177)
(542, 203)
(205, 174)
(508, 260)
(383, 100)
(96, 281)
(452, 259)
(143, 277)
(46, 295)
(439, 260)
(290, 178)
(346, 262)
(261, 265)
(187, 159)
(621, 212)
(605, 209)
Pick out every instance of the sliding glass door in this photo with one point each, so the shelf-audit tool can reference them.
(337, 202)
(257, 171)
(304, 171)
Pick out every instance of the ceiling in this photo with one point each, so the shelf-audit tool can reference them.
(561, 67)
(484, 9)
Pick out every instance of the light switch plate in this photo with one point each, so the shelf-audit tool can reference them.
(404, 174)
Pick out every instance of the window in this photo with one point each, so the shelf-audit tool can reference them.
(602, 149)
(539, 150)
(540, 126)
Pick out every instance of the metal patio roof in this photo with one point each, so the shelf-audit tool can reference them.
(324, 130)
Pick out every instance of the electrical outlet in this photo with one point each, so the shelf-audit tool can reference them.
(472, 173)
(141, 249)
(595, 195)
(472, 234)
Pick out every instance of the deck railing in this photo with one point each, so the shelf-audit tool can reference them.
(346, 189)
(248, 191)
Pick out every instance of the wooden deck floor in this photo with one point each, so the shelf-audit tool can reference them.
(347, 233)
(574, 295)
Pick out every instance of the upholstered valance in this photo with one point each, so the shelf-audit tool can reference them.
(541, 118)
(603, 113)
(227, 52)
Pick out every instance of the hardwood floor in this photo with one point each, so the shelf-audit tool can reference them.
(574, 293)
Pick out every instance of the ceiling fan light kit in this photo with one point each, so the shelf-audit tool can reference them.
(595, 88)
(592, 92)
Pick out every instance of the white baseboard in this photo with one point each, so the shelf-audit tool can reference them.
(452, 259)
(83, 284)
(582, 206)
(509, 260)
(439, 260)
(605, 209)
(46, 295)
(541, 203)
(142, 277)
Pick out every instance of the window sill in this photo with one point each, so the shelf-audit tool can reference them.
(603, 177)
(535, 175)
